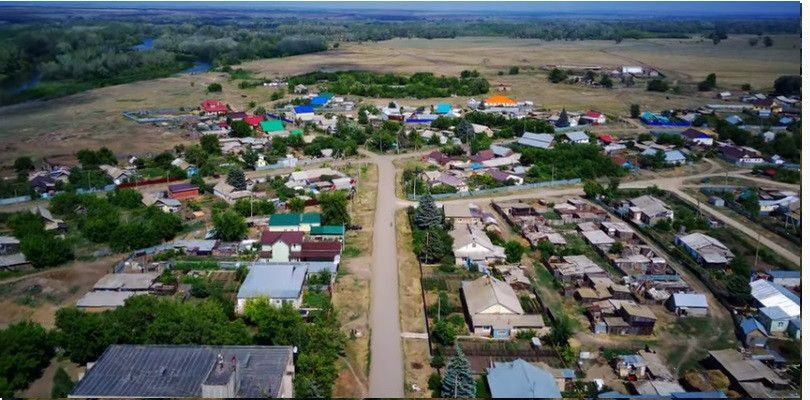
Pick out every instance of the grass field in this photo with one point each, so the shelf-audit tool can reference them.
(93, 118)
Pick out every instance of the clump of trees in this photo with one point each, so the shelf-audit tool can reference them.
(27, 350)
(709, 83)
(657, 85)
(420, 85)
(431, 240)
(567, 161)
(40, 247)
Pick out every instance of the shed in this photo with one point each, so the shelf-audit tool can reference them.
(688, 304)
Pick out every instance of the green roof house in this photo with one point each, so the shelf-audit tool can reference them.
(293, 222)
(328, 230)
(296, 132)
(272, 125)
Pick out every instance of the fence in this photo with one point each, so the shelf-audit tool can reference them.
(445, 196)
(147, 182)
(734, 206)
(108, 188)
(15, 200)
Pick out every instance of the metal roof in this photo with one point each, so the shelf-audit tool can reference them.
(134, 281)
(519, 379)
(751, 324)
(693, 300)
(577, 136)
(539, 140)
(276, 281)
(104, 299)
(769, 294)
(180, 370)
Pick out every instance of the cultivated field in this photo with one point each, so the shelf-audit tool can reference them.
(93, 118)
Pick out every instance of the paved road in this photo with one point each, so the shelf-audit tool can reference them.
(386, 374)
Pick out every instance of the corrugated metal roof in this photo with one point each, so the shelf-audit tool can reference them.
(179, 370)
(279, 281)
(769, 294)
(693, 300)
(519, 379)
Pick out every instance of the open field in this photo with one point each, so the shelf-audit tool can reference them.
(93, 118)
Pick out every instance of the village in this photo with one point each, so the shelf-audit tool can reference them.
(481, 245)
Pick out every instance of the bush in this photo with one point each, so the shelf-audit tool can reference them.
(214, 87)
(657, 85)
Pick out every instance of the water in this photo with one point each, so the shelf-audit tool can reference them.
(198, 68)
(146, 45)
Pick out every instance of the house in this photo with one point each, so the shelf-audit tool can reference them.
(437, 178)
(278, 283)
(104, 299)
(688, 304)
(631, 365)
(438, 158)
(724, 95)
(769, 294)
(229, 193)
(786, 278)
(499, 101)
(303, 113)
(753, 333)
(741, 156)
(502, 176)
(117, 175)
(443, 108)
(574, 268)
(319, 251)
(9, 245)
(696, 137)
(272, 126)
(327, 232)
(189, 169)
(319, 101)
(236, 116)
(578, 137)
(165, 204)
(794, 330)
(734, 120)
(648, 210)
(51, 223)
(42, 183)
(536, 140)
(277, 246)
(656, 368)
(254, 120)
(671, 157)
(195, 246)
(639, 318)
(705, 249)
(774, 319)
(189, 371)
(293, 222)
(214, 107)
(182, 191)
(492, 308)
(594, 117)
(632, 70)
(462, 214)
(519, 379)
(754, 378)
(472, 246)
(500, 151)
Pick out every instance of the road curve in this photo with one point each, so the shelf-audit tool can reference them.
(386, 373)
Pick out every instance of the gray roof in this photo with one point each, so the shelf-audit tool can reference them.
(6, 239)
(138, 281)
(519, 379)
(313, 267)
(577, 136)
(13, 260)
(276, 281)
(539, 140)
(742, 369)
(769, 294)
(650, 205)
(692, 300)
(104, 299)
(199, 244)
(486, 292)
(180, 370)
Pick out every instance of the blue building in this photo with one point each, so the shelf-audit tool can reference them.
(519, 379)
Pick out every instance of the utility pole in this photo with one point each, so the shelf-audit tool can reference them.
(756, 257)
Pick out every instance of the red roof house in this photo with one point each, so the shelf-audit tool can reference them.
(606, 139)
(214, 107)
(318, 251)
(254, 120)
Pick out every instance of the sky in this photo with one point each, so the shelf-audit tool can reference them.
(609, 8)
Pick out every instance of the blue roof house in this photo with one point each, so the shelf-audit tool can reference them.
(774, 318)
(278, 283)
(753, 333)
(443, 108)
(519, 379)
(734, 120)
(671, 157)
(318, 101)
(303, 109)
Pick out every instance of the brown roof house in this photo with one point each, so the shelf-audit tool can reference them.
(493, 309)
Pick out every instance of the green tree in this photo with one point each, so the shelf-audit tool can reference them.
(788, 85)
(240, 129)
(427, 214)
(753, 41)
(23, 164)
(250, 157)
(635, 110)
(514, 251)
(767, 41)
(458, 380)
(434, 243)
(657, 85)
(561, 330)
(62, 384)
(296, 204)
(25, 224)
(557, 75)
(334, 208)
(27, 350)
(562, 121)
(605, 81)
(592, 188)
(45, 250)
(210, 144)
(236, 178)
(709, 83)
(514, 70)
(125, 198)
(616, 248)
(214, 88)
(230, 226)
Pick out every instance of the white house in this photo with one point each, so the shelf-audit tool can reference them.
(472, 246)
(278, 283)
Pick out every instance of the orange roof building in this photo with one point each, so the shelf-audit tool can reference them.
(499, 100)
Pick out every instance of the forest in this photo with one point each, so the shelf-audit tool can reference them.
(46, 58)
(420, 85)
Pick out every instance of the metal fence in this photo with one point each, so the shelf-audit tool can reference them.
(458, 195)
(15, 200)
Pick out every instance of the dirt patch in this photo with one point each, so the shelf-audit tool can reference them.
(417, 368)
(411, 312)
(37, 297)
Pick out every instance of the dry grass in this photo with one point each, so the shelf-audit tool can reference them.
(411, 312)
(352, 293)
(417, 367)
(93, 118)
